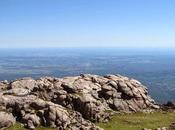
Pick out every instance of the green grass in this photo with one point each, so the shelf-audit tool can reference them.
(18, 126)
(135, 121)
(138, 121)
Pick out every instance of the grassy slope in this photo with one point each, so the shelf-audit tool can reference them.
(139, 120)
(128, 122)
(18, 126)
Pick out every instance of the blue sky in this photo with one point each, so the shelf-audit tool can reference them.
(82, 23)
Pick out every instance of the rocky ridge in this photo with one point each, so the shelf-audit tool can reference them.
(73, 103)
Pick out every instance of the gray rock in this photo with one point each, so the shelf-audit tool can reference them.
(31, 121)
(125, 89)
(6, 120)
(27, 83)
(71, 102)
(113, 84)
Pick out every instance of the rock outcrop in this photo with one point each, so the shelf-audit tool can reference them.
(73, 103)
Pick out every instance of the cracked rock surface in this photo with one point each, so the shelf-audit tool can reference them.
(73, 103)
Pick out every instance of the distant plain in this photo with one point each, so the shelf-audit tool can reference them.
(154, 68)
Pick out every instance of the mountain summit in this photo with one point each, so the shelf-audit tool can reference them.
(74, 103)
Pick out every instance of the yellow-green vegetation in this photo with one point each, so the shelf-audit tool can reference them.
(138, 121)
(18, 126)
(135, 121)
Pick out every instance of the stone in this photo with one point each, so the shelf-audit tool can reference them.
(113, 84)
(6, 120)
(27, 83)
(69, 87)
(125, 89)
(106, 88)
(146, 129)
(73, 103)
(31, 121)
(18, 91)
(164, 128)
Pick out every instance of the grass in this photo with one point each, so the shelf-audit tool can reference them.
(135, 121)
(18, 126)
(138, 121)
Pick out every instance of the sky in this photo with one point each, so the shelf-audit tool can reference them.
(87, 23)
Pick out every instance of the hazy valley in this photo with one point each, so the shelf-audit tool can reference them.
(155, 69)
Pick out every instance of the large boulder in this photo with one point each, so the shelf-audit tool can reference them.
(6, 120)
(73, 103)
